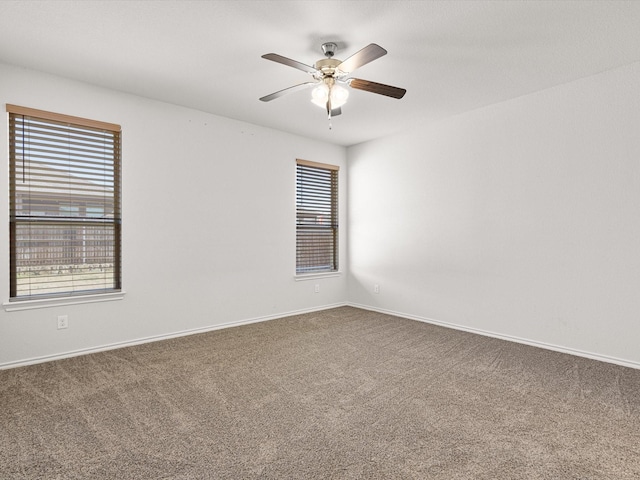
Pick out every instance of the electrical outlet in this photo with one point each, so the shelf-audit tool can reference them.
(317, 288)
(63, 321)
(376, 288)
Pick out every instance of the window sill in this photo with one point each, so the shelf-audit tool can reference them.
(18, 305)
(312, 276)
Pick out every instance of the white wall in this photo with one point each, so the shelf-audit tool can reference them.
(521, 219)
(208, 223)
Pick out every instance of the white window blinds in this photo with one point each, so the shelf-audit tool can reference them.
(316, 217)
(64, 205)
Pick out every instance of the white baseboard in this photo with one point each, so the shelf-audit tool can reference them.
(182, 333)
(533, 343)
(155, 338)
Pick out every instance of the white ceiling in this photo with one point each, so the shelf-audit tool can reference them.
(451, 56)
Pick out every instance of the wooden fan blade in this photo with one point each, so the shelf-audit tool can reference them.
(274, 57)
(364, 56)
(333, 112)
(285, 91)
(378, 88)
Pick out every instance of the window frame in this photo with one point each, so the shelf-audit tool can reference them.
(109, 290)
(331, 268)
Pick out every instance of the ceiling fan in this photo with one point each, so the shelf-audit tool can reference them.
(330, 76)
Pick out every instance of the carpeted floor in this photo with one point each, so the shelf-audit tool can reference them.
(343, 393)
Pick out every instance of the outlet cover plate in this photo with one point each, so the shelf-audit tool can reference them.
(63, 321)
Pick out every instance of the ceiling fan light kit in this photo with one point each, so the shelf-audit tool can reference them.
(331, 76)
(331, 91)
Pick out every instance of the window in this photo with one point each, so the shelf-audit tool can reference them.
(64, 205)
(316, 217)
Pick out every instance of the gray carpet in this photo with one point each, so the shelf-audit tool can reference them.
(343, 393)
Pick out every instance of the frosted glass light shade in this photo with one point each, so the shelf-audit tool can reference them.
(339, 95)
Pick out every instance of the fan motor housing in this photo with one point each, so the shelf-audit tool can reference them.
(327, 66)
